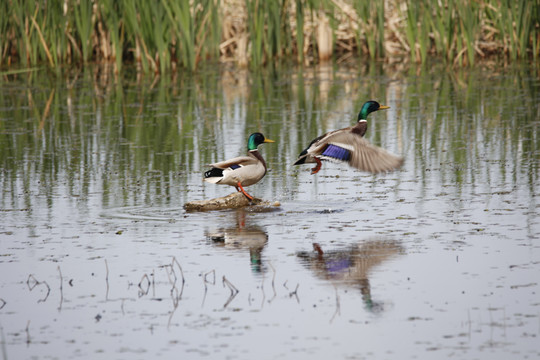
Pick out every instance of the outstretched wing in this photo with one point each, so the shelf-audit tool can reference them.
(306, 156)
(346, 146)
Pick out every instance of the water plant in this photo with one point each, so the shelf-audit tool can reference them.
(169, 34)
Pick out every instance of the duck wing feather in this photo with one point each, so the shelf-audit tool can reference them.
(347, 146)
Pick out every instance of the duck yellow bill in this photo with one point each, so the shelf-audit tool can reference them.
(268, 140)
(382, 107)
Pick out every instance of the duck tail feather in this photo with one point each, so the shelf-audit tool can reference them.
(213, 173)
(301, 160)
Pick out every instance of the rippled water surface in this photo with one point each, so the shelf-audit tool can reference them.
(440, 259)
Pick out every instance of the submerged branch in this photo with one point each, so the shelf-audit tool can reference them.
(144, 286)
(234, 291)
(61, 289)
(32, 282)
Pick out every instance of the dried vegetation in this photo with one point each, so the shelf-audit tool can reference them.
(168, 34)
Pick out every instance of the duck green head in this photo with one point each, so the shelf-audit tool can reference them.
(369, 107)
(257, 139)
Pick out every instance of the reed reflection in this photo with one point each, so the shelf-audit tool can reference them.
(352, 265)
(137, 141)
(241, 237)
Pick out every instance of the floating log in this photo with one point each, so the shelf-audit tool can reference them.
(232, 201)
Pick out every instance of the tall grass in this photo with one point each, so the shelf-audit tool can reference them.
(371, 31)
(167, 34)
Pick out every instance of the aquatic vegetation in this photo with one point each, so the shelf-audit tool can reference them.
(167, 34)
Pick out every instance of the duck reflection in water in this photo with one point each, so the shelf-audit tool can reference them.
(250, 237)
(351, 266)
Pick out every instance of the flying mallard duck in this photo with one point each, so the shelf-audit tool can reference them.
(243, 170)
(348, 145)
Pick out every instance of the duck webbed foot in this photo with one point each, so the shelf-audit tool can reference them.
(316, 168)
(240, 188)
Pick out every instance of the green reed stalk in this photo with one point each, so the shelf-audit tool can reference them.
(82, 14)
(135, 32)
(4, 29)
(207, 27)
(22, 40)
(423, 33)
(154, 29)
(207, 30)
(271, 35)
(256, 30)
(523, 20)
(469, 24)
(299, 31)
(411, 26)
(444, 29)
(159, 27)
(516, 22)
(179, 15)
(379, 6)
(186, 32)
(365, 29)
(53, 27)
(110, 10)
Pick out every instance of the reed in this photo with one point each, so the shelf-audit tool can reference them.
(167, 34)
(111, 32)
(371, 29)
(82, 16)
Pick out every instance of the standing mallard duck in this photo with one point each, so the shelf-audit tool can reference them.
(348, 145)
(243, 170)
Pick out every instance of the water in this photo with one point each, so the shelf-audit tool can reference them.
(439, 259)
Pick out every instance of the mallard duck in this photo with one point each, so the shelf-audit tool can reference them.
(349, 146)
(243, 170)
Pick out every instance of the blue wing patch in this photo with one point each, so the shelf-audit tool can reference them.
(234, 167)
(338, 265)
(337, 152)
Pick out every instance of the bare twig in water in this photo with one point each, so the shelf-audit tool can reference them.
(176, 294)
(3, 342)
(205, 281)
(273, 281)
(32, 282)
(173, 262)
(107, 280)
(213, 282)
(338, 306)
(153, 283)
(61, 289)
(175, 299)
(179, 293)
(263, 293)
(48, 292)
(234, 291)
(295, 293)
(231, 287)
(28, 333)
(143, 291)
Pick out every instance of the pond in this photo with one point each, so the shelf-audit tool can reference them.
(440, 259)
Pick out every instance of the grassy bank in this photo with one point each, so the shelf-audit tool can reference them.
(167, 34)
